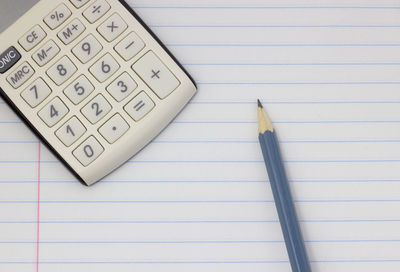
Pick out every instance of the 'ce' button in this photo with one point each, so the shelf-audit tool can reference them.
(32, 38)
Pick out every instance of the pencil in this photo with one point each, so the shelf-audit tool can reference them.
(281, 191)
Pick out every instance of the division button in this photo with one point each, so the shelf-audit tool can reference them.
(32, 38)
(21, 75)
(112, 27)
(96, 10)
(36, 93)
(71, 31)
(46, 53)
(88, 151)
(71, 131)
(140, 106)
(156, 75)
(57, 16)
(114, 129)
(130, 46)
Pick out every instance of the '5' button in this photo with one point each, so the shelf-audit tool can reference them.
(32, 38)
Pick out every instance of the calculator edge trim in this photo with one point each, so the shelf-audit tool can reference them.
(148, 29)
(4, 96)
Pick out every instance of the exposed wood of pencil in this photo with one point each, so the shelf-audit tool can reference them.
(264, 122)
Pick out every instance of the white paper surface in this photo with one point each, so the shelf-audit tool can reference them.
(197, 198)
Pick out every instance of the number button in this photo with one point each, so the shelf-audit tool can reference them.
(112, 27)
(62, 71)
(140, 106)
(32, 38)
(87, 49)
(104, 68)
(36, 93)
(57, 16)
(53, 112)
(88, 151)
(46, 53)
(71, 31)
(79, 90)
(96, 11)
(156, 75)
(71, 131)
(96, 109)
(130, 46)
(79, 3)
(114, 129)
(122, 87)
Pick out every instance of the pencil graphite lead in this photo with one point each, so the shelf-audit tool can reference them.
(259, 104)
(264, 123)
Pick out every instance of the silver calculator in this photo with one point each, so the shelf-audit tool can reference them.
(91, 80)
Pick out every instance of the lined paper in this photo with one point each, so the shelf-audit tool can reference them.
(198, 198)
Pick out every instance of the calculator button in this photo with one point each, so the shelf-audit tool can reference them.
(36, 93)
(46, 53)
(96, 109)
(88, 151)
(122, 87)
(58, 16)
(114, 129)
(71, 31)
(32, 38)
(140, 106)
(79, 90)
(130, 46)
(53, 112)
(79, 3)
(96, 11)
(71, 131)
(87, 49)
(112, 27)
(8, 59)
(20, 75)
(62, 70)
(104, 68)
(156, 75)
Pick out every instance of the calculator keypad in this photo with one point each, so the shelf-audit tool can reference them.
(79, 90)
(112, 27)
(63, 70)
(32, 38)
(96, 10)
(71, 31)
(130, 46)
(58, 16)
(20, 75)
(46, 53)
(122, 87)
(88, 151)
(53, 112)
(140, 106)
(71, 131)
(96, 109)
(87, 49)
(114, 129)
(36, 93)
(156, 75)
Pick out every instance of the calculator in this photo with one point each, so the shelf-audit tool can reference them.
(91, 80)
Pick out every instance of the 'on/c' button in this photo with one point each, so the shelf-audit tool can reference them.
(32, 38)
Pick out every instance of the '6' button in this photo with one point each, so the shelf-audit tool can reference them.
(32, 38)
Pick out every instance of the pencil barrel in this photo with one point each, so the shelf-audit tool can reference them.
(284, 203)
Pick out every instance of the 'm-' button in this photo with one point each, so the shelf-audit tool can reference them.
(7, 60)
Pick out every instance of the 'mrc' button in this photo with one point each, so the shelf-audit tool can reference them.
(8, 58)
(20, 75)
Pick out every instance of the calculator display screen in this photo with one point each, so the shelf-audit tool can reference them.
(11, 10)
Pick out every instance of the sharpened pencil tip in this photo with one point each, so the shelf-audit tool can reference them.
(259, 104)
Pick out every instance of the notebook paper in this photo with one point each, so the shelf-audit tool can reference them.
(198, 198)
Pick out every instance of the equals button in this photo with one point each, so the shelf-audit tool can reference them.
(46, 53)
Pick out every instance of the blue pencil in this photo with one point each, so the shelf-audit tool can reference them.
(281, 191)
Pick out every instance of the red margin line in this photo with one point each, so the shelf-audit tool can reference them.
(38, 211)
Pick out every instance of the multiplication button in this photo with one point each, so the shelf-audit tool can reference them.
(114, 128)
(58, 16)
(46, 53)
(32, 38)
(71, 31)
(112, 27)
(96, 10)
(88, 151)
(140, 106)
(36, 93)
(156, 75)
(71, 131)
